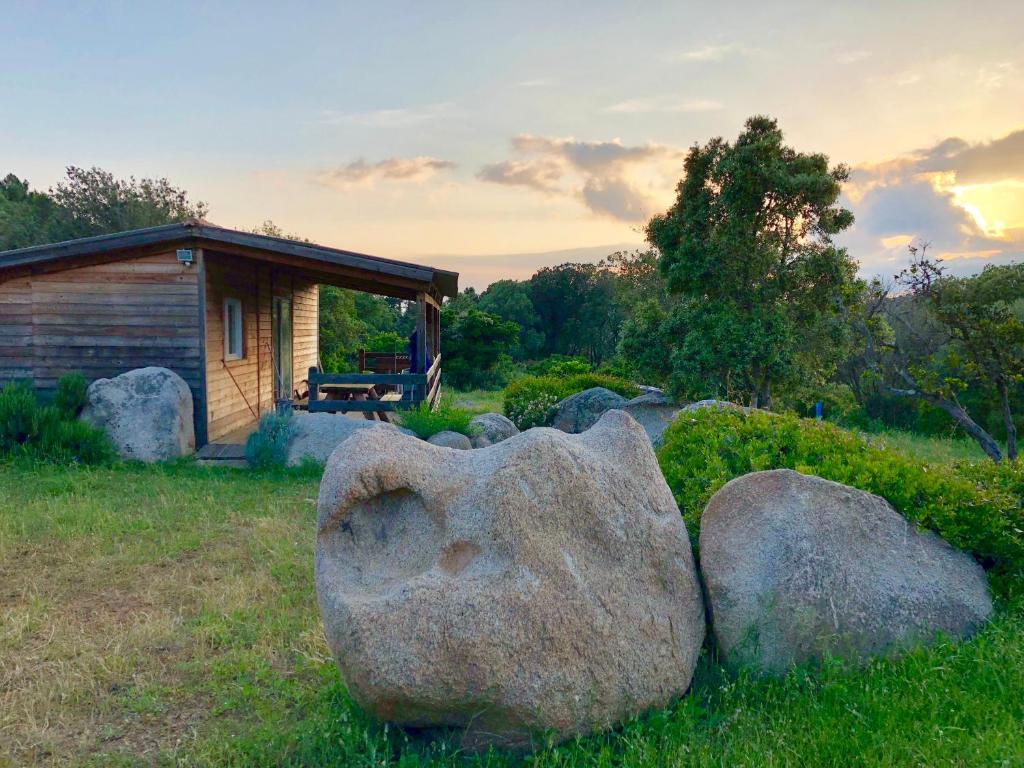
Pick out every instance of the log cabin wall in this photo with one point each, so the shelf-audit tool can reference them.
(102, 320)
(239, 390)
(306, 328)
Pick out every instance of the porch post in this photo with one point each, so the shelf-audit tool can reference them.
(421, 339)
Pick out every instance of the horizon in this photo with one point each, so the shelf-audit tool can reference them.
(495, 141)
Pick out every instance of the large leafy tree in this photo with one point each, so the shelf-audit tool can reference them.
(510, 300)
(473, 343)
(747, 247)
(578, 310)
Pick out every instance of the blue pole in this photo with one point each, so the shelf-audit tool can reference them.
(818, 408)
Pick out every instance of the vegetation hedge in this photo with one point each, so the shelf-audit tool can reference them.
(976, 507)
(530, 400)
(50, 433)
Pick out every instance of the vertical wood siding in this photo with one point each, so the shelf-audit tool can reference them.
(306, 325)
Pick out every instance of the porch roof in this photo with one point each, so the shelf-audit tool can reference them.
(327, 265)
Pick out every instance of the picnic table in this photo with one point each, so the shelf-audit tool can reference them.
(351, 391)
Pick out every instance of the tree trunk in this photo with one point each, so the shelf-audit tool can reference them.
(970, 426)
(1011, 429)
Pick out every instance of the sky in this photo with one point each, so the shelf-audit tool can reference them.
(495, 138)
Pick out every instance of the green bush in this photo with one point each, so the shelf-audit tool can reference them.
(70, 395)
(267, 447)
(530, 401)
(445, 418)
(975, 507)
(18, 414)
(53, 433)
(561, 366)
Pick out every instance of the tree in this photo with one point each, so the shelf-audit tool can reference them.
(578, 310)
(473, 344)
(93, 202)
(973, 334)
(510, 300)
(26, 216)
(747, 247)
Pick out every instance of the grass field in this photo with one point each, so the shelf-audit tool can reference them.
(166, 615)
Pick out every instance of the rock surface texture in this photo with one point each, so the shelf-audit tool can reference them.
(146, 411)
(316, 435)
(543, 583)
(491, 428)
(654, 411)
(796, 567)
(449, 439)
(579, 412)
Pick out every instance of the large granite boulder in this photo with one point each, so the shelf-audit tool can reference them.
(654, 411)
(545, 583)
(316, 435)
(579, 412)
(796, 567)
(491, 428)
(449, 439)
(146, 411)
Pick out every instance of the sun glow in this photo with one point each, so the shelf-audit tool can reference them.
(995, 208)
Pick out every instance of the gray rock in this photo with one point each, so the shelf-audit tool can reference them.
(796, 567)
(316, 435)
(648, 389)
(147, 412)
(491, 428)
(449, 439)
(654, 411)
(579, 412)
(543, 583)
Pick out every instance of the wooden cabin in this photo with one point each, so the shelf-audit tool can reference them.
(235, 314)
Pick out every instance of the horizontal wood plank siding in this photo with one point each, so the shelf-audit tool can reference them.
(15, 330)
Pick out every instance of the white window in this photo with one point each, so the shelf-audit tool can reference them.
(234, 349)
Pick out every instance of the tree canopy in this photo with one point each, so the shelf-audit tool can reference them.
(747, 246)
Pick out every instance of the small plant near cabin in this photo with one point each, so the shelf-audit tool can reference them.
(445, 418)
(70, 398)
(267, 447)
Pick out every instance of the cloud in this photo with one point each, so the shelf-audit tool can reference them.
(632, 106)
(388, 118)
(708, 53)
(603, 175)
(955, 194)
(994, 77)
(395, 169)
(540, 175)
(852, 57)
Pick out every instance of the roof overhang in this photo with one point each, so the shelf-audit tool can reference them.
(331, 265)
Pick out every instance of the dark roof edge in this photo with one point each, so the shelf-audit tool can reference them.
(445, 281)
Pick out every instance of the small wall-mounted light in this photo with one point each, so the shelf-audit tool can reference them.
(185, 256)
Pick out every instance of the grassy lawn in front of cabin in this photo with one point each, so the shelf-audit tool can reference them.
(166, 615)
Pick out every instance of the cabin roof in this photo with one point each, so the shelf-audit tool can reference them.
(202, 233)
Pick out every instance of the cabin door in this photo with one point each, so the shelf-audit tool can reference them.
(282, 343)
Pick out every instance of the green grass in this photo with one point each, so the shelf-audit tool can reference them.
(932, 450)
(166, 615)
(478, 401)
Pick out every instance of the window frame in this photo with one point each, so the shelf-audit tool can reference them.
(229, 354)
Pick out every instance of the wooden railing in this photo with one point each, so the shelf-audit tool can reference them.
(416, 388)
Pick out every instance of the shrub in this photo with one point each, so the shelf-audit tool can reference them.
(70, 396)
(267, 447)
(49, 434)
(18, 415)
(975, 507)
(530, 401)
(445, 418)
(560, 365)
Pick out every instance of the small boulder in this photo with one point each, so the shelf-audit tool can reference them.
(449, 439)
(796, 567)
(579, 412)
(491, 428)
(316, 435)
(545, 583)
(654, 411)
(147, 412)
